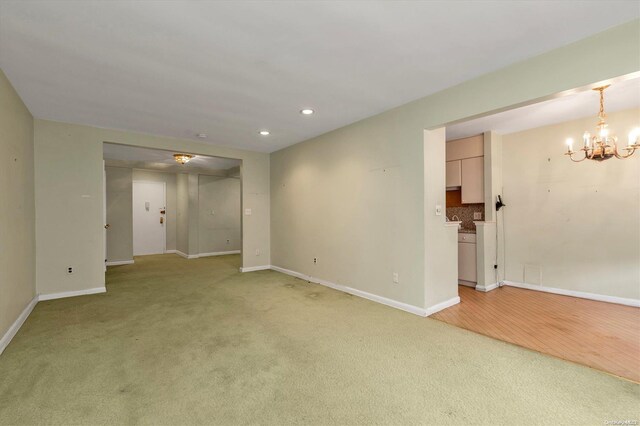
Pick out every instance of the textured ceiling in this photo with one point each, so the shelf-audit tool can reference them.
(231, 68)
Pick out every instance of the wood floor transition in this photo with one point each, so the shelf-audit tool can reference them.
(604, 336)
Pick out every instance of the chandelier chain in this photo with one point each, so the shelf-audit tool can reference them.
(602, 115)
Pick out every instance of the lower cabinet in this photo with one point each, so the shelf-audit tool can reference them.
(467, 258)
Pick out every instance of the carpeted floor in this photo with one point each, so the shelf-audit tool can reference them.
(178, 341)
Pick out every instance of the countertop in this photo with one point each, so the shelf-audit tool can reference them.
(466, 231)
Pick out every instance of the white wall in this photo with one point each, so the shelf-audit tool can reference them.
(440, 260)
(355, 197)
(182, 213)
(577, 223)
(222, 196)
(69, 190)
(193, 214)
(17, 209)
(119, 214)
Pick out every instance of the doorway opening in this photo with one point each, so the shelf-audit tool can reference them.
(536, 244)
(156, 205)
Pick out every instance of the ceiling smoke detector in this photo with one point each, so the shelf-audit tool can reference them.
(202, 135)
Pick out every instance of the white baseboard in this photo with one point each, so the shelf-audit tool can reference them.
(487, 288)
(196, 256)
(120, 262)
(442, 305)
(219, 253)
(64, 294)
(373, 297)
(185, 255)
(467, 283)
(13, 330)
(171, 251)
(580, 294)
(255, 268)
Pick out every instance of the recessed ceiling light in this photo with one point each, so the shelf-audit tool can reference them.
(202, 135)
(306, 111)
(264, 132)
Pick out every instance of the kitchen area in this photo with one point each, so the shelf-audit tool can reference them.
(465, 200)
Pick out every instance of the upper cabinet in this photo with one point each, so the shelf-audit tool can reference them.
(454, 176)
(465, 148)
(465, 168)
(472, 180)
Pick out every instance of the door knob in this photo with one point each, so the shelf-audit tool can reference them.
(107, 226)
(162, 220)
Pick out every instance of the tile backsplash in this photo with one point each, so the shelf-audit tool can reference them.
(465, 214)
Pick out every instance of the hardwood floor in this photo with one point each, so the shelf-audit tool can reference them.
(601, 335)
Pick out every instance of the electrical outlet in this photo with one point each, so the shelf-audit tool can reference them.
(257, 252)
(396, 278)
(477, 215)
(438, 210)
(228, 241)
(70, 270)
(315, 260)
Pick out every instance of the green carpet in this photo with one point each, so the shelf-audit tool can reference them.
(178, 341)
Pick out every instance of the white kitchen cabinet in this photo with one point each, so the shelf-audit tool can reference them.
(467, 258)
(472, 173)
(454, 176)
(465, 148)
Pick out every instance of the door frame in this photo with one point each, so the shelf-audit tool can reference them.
(164, 203)
(104, 212)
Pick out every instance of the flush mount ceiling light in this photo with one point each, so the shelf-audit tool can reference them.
(183, 158)
(264, 132)
(603, 145)
(202, 135)
(306, 111)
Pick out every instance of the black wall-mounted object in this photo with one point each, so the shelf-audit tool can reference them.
(499, 203)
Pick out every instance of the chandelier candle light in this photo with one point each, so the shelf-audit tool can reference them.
(603, 145)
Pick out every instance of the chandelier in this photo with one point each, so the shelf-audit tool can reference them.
(603, 145)
(183, 158)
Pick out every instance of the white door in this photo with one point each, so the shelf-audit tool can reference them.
(148, 218)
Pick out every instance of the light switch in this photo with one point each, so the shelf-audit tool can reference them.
(438, 210)
(146, 205)
(213, 212)
(247, 212)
